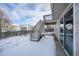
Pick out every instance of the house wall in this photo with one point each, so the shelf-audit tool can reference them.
(60, 15)
(76, 29)
(60, 9)
(57, 29)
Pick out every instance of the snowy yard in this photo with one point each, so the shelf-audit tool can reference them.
(22, 46)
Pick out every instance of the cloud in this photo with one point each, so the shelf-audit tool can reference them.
(29, 13)
(15, 15)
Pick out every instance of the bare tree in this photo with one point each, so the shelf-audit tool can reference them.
(3, 19)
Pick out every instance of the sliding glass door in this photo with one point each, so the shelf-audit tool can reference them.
(68, 31)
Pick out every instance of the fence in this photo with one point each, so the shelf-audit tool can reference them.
(13, 33)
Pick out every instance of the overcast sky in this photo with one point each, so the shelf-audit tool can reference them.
(26, 14)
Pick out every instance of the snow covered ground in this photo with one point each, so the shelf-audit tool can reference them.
(22, 46)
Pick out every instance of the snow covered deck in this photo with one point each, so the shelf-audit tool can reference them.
(22, 46)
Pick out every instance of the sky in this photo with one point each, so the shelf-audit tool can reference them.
(26, 13)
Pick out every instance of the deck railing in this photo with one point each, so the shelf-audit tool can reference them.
(48, 19)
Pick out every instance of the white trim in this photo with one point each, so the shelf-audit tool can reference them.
(74, 36)
(66, 52)
(63, 32)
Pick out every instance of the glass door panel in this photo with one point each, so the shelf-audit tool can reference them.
(68, 38)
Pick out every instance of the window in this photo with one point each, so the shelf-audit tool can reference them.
(68, 40)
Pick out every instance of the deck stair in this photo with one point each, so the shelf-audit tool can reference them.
(37, 30)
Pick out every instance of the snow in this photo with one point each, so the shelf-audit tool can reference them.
(22, 46)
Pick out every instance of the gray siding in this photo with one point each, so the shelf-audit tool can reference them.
(76, 28)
